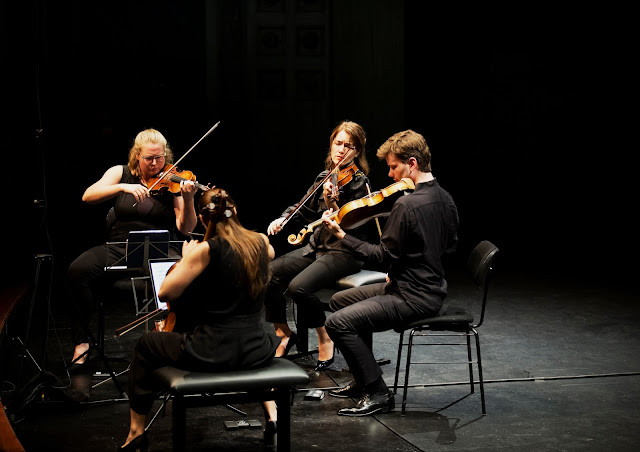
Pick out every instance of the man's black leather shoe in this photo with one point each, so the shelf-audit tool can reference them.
(371, 404)
(352, 390)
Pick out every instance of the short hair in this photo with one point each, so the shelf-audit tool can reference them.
(407, 144)
(147, 136)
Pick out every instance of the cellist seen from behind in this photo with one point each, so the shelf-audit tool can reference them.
(216, 292)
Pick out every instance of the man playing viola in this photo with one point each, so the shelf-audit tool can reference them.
(421, 228)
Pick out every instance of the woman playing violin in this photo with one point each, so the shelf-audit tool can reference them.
(219, 287)
(324, 260)
(134, 209)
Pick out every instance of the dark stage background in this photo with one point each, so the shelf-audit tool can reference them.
(525, 112)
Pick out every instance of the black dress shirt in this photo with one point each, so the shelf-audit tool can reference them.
(421, 228)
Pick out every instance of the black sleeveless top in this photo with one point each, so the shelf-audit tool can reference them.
(155, 212)
(229, 332)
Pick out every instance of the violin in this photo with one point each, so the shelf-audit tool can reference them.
(342, 178)
(357, 212)
(331, 173)
(169, 180)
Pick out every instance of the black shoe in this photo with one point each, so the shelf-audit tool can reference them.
(370, 404)
(352, 391)
(270, 433)
(323, 365)
(293, 340)
(75, 365)
(138, 444)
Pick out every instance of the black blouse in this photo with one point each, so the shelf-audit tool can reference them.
(224, 322)
(421, 228)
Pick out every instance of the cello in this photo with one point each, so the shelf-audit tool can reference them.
(357, 212)
(168, 323)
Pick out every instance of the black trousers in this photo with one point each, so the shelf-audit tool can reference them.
(86, 281)
(358, 313)
(302, 276)
(153, 351)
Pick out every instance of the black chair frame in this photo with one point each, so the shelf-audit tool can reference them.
(453, 321)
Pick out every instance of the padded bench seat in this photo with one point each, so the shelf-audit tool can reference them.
(190, 389)
(362, 278)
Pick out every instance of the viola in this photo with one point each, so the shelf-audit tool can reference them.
(357, 212)
(169, 180)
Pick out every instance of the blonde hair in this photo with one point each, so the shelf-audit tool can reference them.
(145, 137)
(359, 140)
(405, 145)
(218, 211)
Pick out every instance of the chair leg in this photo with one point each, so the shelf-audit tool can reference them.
(179, 423)
(406, 373)
(480, 377)
(100, 338)
(470, 360)
(303, 340)
(395, 381)
(284, 419)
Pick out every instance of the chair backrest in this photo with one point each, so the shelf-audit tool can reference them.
(480, 268)
(111, 219)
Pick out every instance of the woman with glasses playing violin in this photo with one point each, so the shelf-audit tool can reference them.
(323, 260)
(134, 210)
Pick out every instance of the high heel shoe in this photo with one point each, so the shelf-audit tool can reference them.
(270, 433)
(138, 444)
(324, 365)
(293, 340)
(77, 365)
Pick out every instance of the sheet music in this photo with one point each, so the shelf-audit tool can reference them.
(158, 271)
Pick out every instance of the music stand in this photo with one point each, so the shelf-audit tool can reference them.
(139, 248)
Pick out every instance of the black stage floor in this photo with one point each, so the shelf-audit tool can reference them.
(561, 366)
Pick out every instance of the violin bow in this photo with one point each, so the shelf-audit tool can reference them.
(306, 198)
(185, 154)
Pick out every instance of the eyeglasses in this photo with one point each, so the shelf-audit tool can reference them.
(151, 158)
(346, 145)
